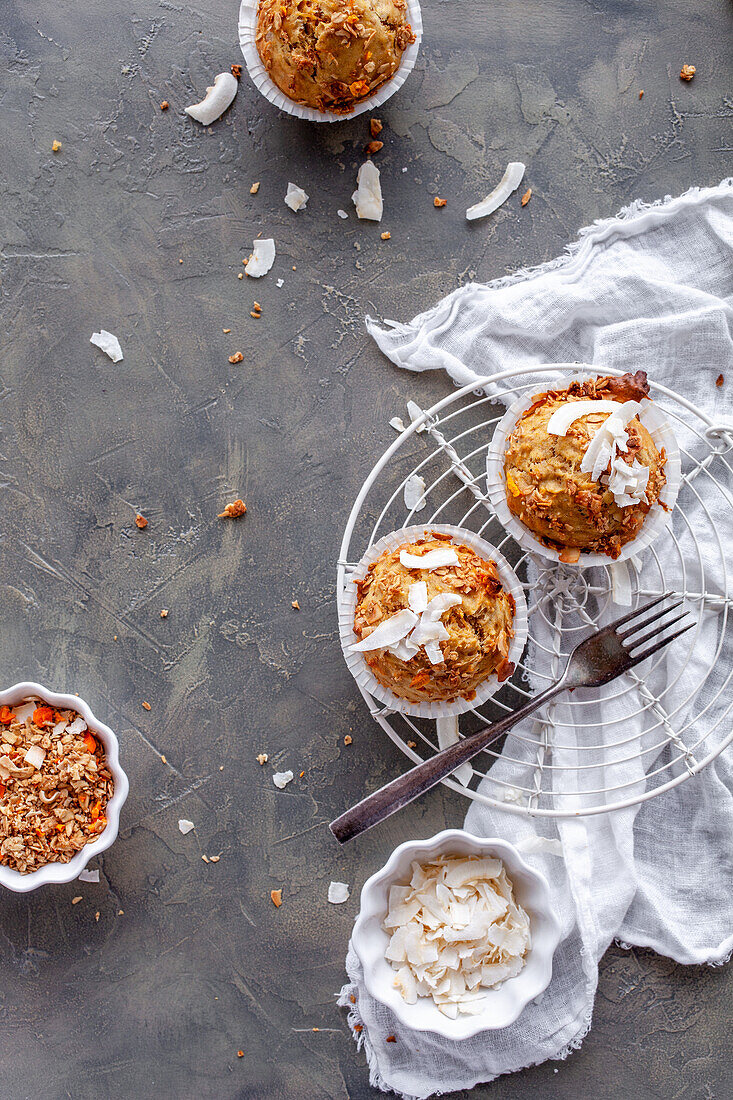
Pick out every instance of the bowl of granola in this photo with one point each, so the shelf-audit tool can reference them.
(61, 787)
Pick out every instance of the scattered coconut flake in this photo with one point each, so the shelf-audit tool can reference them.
(455, 930)
(627, 482)
(414, 493)
(417, 597)
(89, 876)
(397, 424)
(609, 439)
(434, 559)
(388, 632)
(568, 413)
(185, 825)
(262, 258)
(108, 343)
(415, 412)
(262, 758)
(368, 195)
(281, 779)
(218, 97)
(434, 653)
(77, 726)
(26, 711)
(447, 730)
(295, 197)
(620, 583)
(35, 756)
(338, 893)
(509, 183)
(512, 794)
(541, 844)
(280, 283)
(342, 213)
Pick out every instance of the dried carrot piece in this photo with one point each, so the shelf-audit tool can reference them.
(43, 716)
(6, 715)
(90, 742)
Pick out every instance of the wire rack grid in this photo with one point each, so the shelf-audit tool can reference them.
(667, 733)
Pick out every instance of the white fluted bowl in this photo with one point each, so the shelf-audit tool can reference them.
(504, 1004)
(67, 872)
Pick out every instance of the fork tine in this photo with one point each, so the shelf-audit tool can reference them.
(659, 614)
(634, 643)
(638, 657)
(639, 611)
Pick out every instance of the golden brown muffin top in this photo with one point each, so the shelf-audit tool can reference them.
(480, 627)
(329, 54)
(546, 488)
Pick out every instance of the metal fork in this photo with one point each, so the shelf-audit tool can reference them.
(600, 658)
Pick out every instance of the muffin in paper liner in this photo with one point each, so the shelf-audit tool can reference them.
(347, 609)
(656, 520)
(263, 82)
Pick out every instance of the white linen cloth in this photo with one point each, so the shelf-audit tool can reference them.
(651, 289)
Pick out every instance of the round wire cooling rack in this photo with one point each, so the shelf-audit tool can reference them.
(649, 730)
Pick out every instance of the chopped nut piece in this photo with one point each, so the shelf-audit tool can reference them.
(276, 897)
(146, 705)
(412, 744)
(234, 510)
(226, 330)
(236, 71)
(719, 380)
(163, 759)
(526, 196)
(348, 739)
(56, 147)
(641, 94)
(295, 605)
(358, 1027)
(75, 901)
(687, 72)
(439, 202)
(352, 998)
(164, 613)
(373, 147)
(254, 188)
(164, 105)
(214, 859)
(257, 306)
(240, 1053)
(97, 916)
(237, 357)
(255, 314)
(391, 1039)
(385, 236)
(262, 758)
(240, 275)
(375, 127)
(205, 859)
(141, 522)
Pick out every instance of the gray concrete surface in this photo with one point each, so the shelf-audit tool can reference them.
(139, 225)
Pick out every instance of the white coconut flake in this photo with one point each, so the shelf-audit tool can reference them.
(455, 930)
(262, 258)
(509, 182)
(185, 825)
(338, 893)
(35, 756)
(397, 423)
(25, 711)
(414, 493)
(108, 343)
(281, 779)
(628, 482)
(218, 97)
(434, 653)
(295, 197)
(280, 283)
(568, 413)
(388, 632)
(540, 844)
(89, 876)
(417, 597)
(342, 213)
(77, 726)
(610, 438)
(447, 730)
(415, 412)
(368, 195)
(434, 559)
(620, 583)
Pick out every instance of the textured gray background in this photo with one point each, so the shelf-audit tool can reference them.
(157, 1001)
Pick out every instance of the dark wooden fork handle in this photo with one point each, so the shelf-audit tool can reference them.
(392, 797)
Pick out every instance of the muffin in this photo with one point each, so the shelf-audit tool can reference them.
(456, 620)
(329, 54)
(569, 507)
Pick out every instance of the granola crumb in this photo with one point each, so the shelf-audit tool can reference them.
(526, 196)
(141, 522)
(412, 744)
(641, 94)
(357, 1027)
(262, 758)
(237, 357)
(164, 105)
(75, 901)
(295, 605)
(687, 72)
(348, 739)
(56, 147)
(301, 775)
(391, 1039)
(375, 127)
(146, 705)
(234, 510)
(276, 897)
(240, 1053)
(437, 201)
(226, 330)
(352, 998)
(120, 912)
(164, 613)
(97, 916)
(254, 188)
(214, 859)
(719, 380)
(163, 759)
(255, 314)
(386, 236)
(236, 71)
(240, 275)
(257, 306)
(373, 147)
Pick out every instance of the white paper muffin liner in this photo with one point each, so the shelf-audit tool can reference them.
(656, 520)
(347, 609)
(271, 92)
